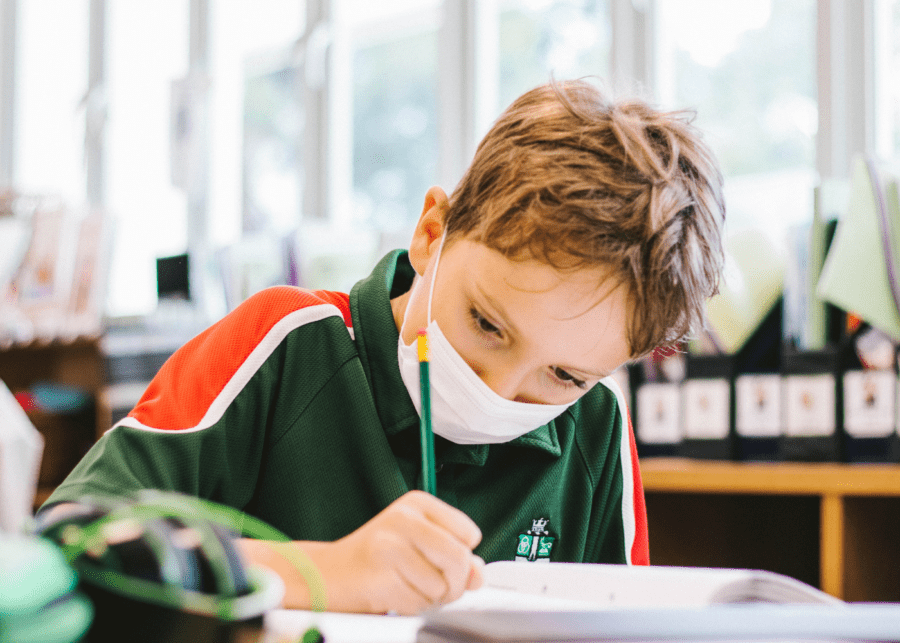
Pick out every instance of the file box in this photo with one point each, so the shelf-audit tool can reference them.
(813, 405)
(707, 400)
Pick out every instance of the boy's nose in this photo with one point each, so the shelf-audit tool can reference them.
(507, 383)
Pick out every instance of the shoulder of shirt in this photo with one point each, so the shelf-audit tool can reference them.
(600, 401)
(598, 418)
(277, 302)
(195, 386)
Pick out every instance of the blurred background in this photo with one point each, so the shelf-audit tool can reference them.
(162, 161)
(203, 127)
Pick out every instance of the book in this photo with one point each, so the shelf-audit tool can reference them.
(757, 622)
(554, 602)
(591, 602)
(509, 584)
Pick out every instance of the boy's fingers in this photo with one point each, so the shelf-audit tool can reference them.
(442, 550)
(449, 518)
(422, 577)
(404, 598)
(432, 555)
(444, 536)
(447, 556)
(476, 573)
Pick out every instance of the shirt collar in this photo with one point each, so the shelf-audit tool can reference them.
(376, 338)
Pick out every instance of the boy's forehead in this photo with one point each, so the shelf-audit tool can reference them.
(580, 314)
(576, 290)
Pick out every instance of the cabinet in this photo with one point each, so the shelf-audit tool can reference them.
(835, 526)
(77, 363)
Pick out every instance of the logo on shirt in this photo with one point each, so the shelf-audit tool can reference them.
(535, 544)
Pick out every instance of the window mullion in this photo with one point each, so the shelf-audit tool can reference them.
(197, 186)
(95, 105)
(634, 65)
(883, 73)
(316, 43)
(7, 88)
(468, 87)
(845, 84)
(337, 102)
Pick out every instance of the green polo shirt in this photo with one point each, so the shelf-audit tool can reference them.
(292, 409)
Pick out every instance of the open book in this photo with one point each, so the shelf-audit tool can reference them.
(573, 586)
(581, 602)
(552, 602)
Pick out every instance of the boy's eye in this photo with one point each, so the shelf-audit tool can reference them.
(483, 324)
(568, 377)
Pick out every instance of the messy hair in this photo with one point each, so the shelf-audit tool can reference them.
(571, 178)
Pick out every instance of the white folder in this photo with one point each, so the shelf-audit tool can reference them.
(21, 447)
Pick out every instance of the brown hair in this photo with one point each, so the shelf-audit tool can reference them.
(568, 177)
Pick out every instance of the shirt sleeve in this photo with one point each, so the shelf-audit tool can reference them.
(204, 421)
(620, 514)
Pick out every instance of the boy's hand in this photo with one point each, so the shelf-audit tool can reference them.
(415, 554)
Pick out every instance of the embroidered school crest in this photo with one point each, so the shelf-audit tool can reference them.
(535, 544)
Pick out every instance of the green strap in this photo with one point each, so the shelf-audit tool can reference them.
(157, 504)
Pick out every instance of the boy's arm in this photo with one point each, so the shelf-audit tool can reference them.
(202, 423)
(415, 554)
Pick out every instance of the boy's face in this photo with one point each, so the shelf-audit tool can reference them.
(531, 333)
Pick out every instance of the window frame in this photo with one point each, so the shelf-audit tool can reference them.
(845, 74)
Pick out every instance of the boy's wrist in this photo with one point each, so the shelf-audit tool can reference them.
(297, 594)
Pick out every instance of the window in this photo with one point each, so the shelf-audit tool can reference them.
(254, 117)
(887, 79)
(395, 129)
(147, 49)
(748, 69)
(568, 39)
(52, 80)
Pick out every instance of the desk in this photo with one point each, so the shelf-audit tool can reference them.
(288, 625)
(758, 622)
(831, 525)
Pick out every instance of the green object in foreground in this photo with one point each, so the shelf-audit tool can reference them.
(37, 598)
(153, 504)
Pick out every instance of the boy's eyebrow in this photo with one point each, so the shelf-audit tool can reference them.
(497, 310)
(581, 371)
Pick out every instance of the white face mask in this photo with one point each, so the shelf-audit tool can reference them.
(464, 409)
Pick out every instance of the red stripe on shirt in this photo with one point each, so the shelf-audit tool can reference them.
(190, 380)
(640, 548)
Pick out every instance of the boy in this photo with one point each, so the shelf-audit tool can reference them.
(584, 234)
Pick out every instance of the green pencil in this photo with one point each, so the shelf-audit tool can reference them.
(427, 437)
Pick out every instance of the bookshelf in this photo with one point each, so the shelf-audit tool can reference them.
(831, 525)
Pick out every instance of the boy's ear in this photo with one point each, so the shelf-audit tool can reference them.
(429, 230)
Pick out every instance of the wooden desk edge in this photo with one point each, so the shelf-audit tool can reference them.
(677, 475)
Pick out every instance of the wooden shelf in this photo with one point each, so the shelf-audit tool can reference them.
(781, 478)
(828, 524)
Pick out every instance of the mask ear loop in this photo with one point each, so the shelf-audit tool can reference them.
(437, 261)
(430, 290)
